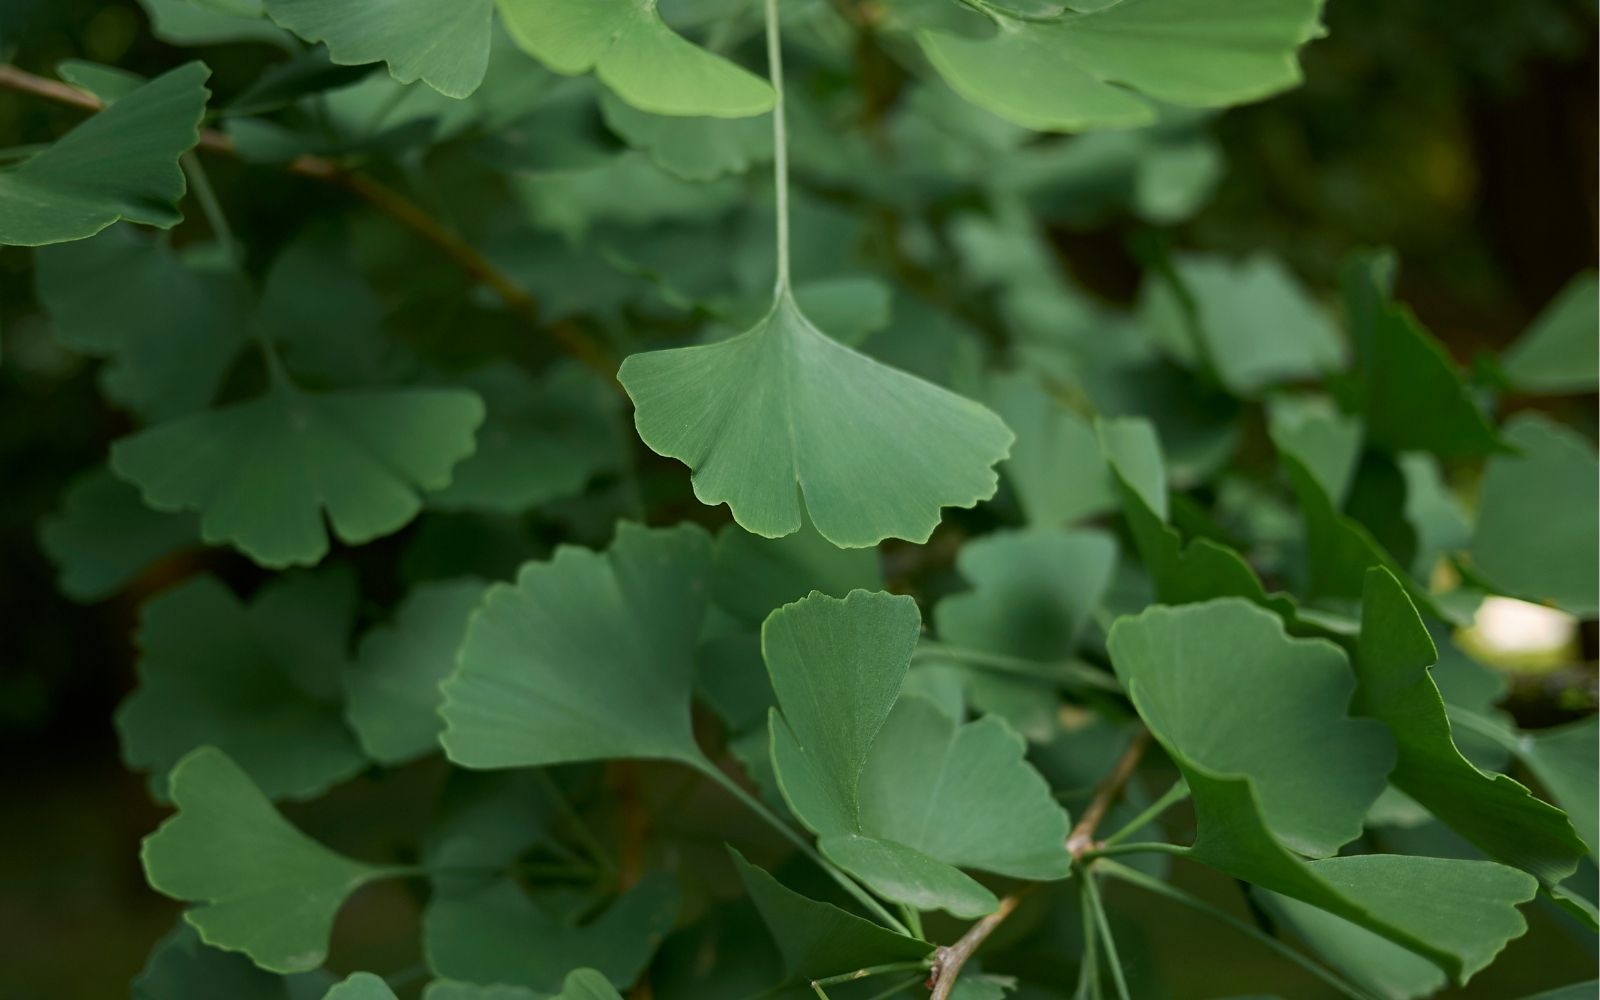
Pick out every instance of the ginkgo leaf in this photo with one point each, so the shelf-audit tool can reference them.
(697, 148)
(1100, 69)
(1408, 389)
(360, 986)
(259, 681)
(181, 966)
(864, 768)
(103, 536)
(170, 328)
(392, 689)
(260, 885)
(783, 422)
(752, 575)
(1370, 960)
(189, 22)
(445, 45)
(586, 657)
(1560, 352)
(818, 939)
(263, 473)
(632, 51)
(122, 163)
(1222, 684)
(1536, 535)
(1496, 813)
(498, 934)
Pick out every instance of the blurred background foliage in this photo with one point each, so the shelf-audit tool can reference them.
(1464, 136)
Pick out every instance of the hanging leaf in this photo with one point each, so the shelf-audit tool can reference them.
(263, 473)
(259, 681)
(1536, 534)
(1372, 961)
(696, 149)
(1560, 353)
(1101, 69)
(445, 45)
(103, 536)
(261, 886)
(392, 689)
(627, 45)
(783, 422)
(120, 164)
(588, 656)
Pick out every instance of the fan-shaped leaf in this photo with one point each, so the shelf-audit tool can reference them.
(262, 473)
(1560, 352)
(445, 45)
(180, 966)
(696, 149)
(120, 164)
(262, 887)
(360, 986)
(626, 44)
(104, 536)
(783, 422)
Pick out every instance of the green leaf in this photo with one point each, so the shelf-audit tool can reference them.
(1100, 69)
(818, 939)
(262, 473)
(180, 967)
(865, 772)
(323, 316)
(1407, 387)
(544, 439)
(783, 422)
(187, 22)
(360, 986)
(1560, 353)
(122, 163)
(445, 45)
(1370, 960)
(588, 656)
(103, 536)
(696, 149)
(1222, 685)
(1496, 813)
(260, 681)
(261, 886)
(1563, 759)
(632, 51)
(1536, 534)
(392, 689)
(752, 575)
(170, 329)
(499, 934)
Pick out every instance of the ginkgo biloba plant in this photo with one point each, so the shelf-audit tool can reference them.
(770, 587)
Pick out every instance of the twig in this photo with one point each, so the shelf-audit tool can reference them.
(1081, 838)
(947, 962)
(381, 197)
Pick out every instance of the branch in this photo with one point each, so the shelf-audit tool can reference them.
(947, 962)
(375, 193)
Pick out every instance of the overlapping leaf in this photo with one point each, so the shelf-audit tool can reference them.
(263, 473)
(782, 423)
(120, 164)
(696, 149)
(181, 966)
(1101, 69)
(260, 885)
(1560, 352)
(103, 536)
(445, 45)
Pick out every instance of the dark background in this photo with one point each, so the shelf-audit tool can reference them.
(1463, 135)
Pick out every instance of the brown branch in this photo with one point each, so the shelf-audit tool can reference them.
(948, 961)
(381, 197)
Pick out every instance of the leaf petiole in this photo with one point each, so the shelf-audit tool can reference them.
(1102, 925)
(780, 147)
(1067, 673)
(817, 985)
(1171, 797)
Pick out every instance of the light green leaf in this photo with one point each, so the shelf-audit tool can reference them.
(782, 422)
(103, 536)
(1491, 810)
(626, 44)
(545, 438)
(1370, 960)
(360, 986)
(1098, 70)
(105, 82)
(499, 934)
(1560, 352)
(1563, 758)
(122, 163)
(696, 149)
(262, 473)
(262, 887)
(1536, 535)
(818, 939)
(1407, 387)
(588, 656)
(170, 329)
(181, 967)
(260, 681)
(445, 45)
(1223, 685)
(392, 690)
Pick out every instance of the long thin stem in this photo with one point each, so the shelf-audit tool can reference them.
(1066, 672)
(818, 986)
(1081, 839)
(206, 195)
(1171, 797)
(585, 836)
(1089, 960)
(780, 145)
(845, 882)
(1134, 877)
(1097, 910)
(1143, 847)
(948, 963)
